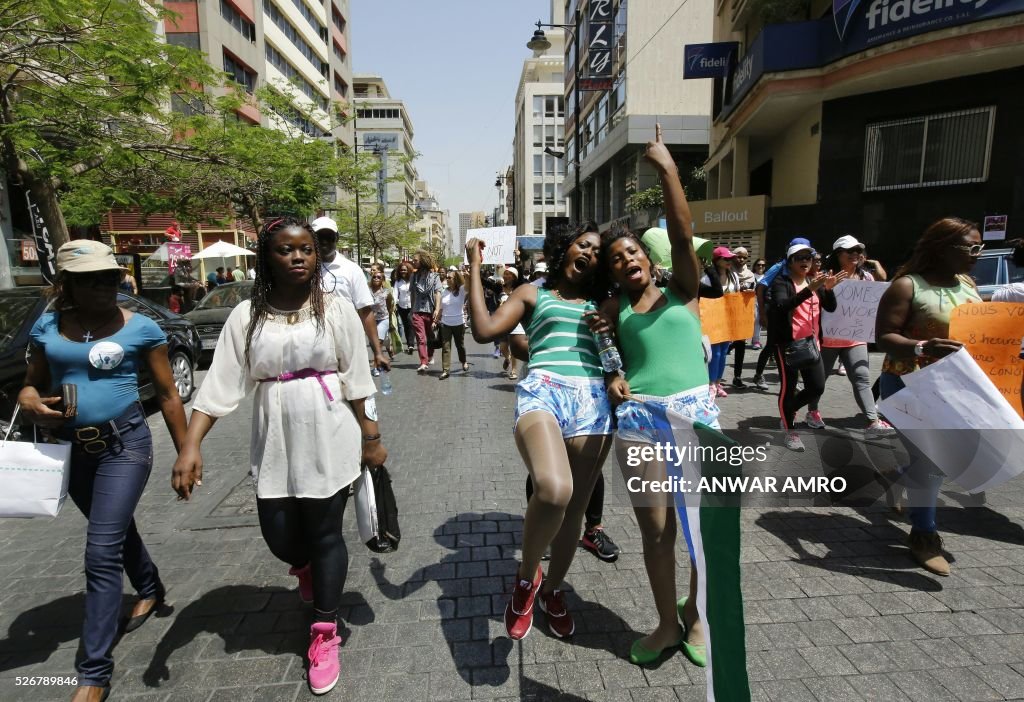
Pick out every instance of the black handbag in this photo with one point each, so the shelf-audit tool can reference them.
(377, 510)
(802, 353)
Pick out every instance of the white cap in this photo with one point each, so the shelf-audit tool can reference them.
(452, 268)
(845, 242)
(541, 267)
(324, 223)
(511, 269)
(793, 250)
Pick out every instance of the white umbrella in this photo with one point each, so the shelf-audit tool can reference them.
(223, 250)
(160, 255)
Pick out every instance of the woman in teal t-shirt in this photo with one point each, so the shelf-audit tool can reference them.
(90, 342)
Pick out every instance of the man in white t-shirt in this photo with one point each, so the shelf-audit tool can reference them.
(345, 278)
(1012, 292)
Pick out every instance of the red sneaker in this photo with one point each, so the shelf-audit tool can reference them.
(519, 610)
(559, 619)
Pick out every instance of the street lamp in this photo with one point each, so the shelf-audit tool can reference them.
(540, 42)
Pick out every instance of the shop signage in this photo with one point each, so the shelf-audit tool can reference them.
(41, 235)
(600, 39)
(382, 141)
(735, 214)
(709, 60)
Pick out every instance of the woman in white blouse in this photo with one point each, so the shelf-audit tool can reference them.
(403, 301)
(304, 356)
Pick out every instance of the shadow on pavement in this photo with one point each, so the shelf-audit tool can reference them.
(35, 634)
(597, 627)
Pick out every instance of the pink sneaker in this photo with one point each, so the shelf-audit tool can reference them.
(324, 668)
(720, 391)
(305, 576)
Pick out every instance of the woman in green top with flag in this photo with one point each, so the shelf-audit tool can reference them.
(659, 334)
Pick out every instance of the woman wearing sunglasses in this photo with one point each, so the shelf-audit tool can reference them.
(912, 328)
(383, 306)
(848, 255)
(86, 340)
(758, 269)
(795, 315)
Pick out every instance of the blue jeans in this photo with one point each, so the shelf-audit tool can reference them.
(106, 487)
(719, 359)
(923, 478)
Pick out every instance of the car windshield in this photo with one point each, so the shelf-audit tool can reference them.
(1016, 273)
(986, 270)
(225, 296)
(13, 312)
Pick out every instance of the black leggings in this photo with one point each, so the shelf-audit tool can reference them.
(301, 530)
(766, 352)
(405, 314)
(739, 350)
(790, 401)
(595, 508)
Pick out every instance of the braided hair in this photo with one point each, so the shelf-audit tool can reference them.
(264, 283)
(556, 246)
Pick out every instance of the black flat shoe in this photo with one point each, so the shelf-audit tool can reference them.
(138, 620)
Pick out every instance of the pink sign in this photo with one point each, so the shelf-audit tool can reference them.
(177, 252)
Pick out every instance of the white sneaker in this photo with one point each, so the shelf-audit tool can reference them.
(814, 420)
(422, 369)
(760, 382)
(793, 442)
(879, 428)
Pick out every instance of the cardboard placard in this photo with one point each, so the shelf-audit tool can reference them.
(500, 244)
(728, 318)
(177, 252)
(992, 333)
(857, 307)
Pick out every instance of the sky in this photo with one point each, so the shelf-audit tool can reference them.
(456, 64)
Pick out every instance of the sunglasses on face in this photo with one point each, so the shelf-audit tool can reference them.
(801, 258)
(377, 277)
(98, 279)
(973, 250)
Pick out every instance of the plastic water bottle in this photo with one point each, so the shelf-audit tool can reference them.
(385, 383)
(611, 361)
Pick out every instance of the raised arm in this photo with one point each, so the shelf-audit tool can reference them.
(685, 265)
(488, 327)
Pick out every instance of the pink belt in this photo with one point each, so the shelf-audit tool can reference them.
(304, 373)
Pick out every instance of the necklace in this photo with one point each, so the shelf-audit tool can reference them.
(564, 299)
(88, 335)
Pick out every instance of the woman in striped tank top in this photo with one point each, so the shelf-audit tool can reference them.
(563, 421)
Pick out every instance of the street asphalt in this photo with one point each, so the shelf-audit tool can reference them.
(835, 609)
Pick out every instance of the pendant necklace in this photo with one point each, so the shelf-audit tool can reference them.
(88, 335)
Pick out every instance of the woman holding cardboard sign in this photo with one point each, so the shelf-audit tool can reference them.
(912, 328)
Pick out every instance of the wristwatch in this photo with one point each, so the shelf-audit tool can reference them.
(919, 349)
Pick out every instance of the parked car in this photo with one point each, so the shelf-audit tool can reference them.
(21, 307)
(213, 310)
(995, 268)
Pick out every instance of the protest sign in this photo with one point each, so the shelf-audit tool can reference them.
(177, 253)
(854, 318)
(953, 414)
(500, 244)
(992, 332)
(728, 318)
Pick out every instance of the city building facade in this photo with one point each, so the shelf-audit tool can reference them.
(433, 222)
(607, 134)
(873, 121)
(503, 215)
(383, 126)
(467, 221)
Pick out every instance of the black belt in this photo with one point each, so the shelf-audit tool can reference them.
(96, 439)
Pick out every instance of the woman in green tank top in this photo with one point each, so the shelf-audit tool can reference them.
(563, 422)
(912, 327)
(659, 337)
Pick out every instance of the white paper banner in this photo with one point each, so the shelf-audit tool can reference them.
(854, 318)
(957, 418)
(500, 244)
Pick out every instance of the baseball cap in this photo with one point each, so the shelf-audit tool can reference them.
(513, 270)
(799, 240)
(324, 223)
(845, 242)
(797, 248)
(86, 256)
(541, 268)
(722, 252)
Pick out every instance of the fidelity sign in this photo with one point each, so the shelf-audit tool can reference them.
(736, 214)
(709, 60)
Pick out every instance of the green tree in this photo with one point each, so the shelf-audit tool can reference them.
(86, 84)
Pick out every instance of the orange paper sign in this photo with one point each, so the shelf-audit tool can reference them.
(992, 333)
(728, 318)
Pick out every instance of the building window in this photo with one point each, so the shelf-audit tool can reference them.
(338, 51)
(293, 74)
(538, 106)
(538, 135)
(378, 113)
(237, 20)
(187, 39)
(338, 20)
(277, 17)
(942, 149)
(538, 223)
(313, 20)
(538, 165)
(341, 86)
(537, 197)
(240, 73)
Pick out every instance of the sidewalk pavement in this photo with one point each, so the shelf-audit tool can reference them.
(836, 610)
